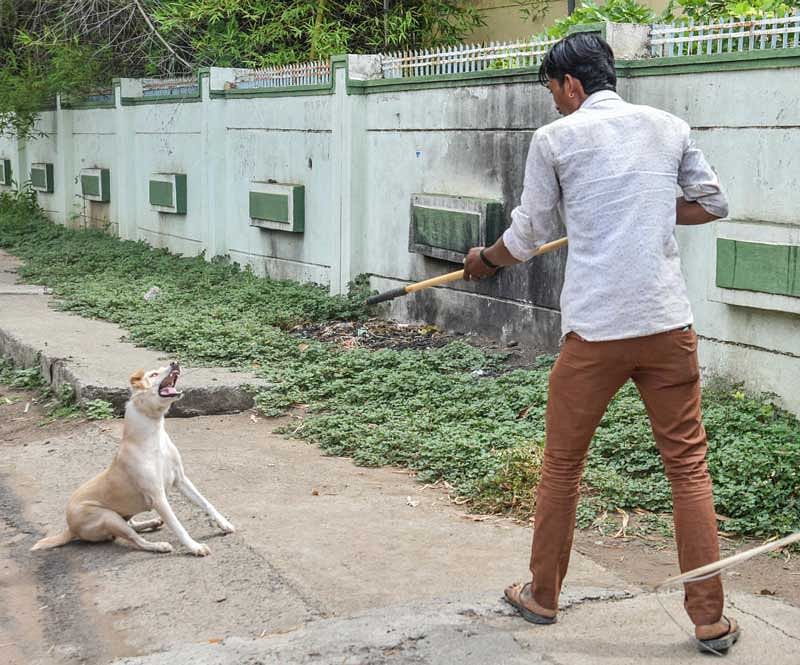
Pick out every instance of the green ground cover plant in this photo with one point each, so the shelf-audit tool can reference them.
(56, 403)
(453, 414)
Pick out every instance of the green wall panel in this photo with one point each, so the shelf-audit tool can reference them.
(39, 178)
(299, 208)
(446, 229)
(96, 184)
(90, 185)
(278, 206)
(105, 177)
(161, 193)
(180, 193)
(271, 207)
(752, 266)
(42, 177)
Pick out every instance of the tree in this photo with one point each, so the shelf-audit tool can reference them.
(71, 46)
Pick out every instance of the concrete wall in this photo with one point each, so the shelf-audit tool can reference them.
(469, 141)
(362, 148)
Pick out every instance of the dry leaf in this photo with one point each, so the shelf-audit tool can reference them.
(524, 412)
(215, 640)
(303, 347)
(314, 492)
(253, 417)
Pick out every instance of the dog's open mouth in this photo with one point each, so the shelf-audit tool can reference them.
(167, 387)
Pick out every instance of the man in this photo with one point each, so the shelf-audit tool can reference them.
(610, 170)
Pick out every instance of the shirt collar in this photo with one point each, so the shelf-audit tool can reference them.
(600, 96)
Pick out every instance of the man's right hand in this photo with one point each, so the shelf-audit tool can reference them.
(475, 268)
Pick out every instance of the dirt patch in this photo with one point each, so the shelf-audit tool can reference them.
(376, 334)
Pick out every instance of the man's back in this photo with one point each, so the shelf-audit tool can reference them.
(614, 171)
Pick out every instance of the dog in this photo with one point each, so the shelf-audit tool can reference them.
(146, 465)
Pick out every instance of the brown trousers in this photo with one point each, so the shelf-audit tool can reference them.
(584, 379)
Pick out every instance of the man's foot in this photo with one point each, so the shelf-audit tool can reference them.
(519, 596)
(719, 636)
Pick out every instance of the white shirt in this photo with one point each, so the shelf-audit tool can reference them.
(610, 171)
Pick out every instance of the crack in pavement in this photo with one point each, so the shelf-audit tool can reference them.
(763, 620)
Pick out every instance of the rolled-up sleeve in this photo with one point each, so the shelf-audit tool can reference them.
(535, 221)
(699, 182)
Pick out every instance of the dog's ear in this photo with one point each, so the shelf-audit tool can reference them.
(137, 382)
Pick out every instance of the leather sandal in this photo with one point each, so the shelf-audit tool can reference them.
(515, 600)
(722, 642)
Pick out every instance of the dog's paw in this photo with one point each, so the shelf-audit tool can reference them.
(162, 548)
(226, 526)
(198, 549)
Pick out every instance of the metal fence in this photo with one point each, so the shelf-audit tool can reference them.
(175, 87)
(306, 73)
(670, 41)
(466, 58)
(725, 36)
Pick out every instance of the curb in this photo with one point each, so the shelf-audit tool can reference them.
(57, 372)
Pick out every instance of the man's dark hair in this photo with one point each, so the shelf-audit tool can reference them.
(585, 56)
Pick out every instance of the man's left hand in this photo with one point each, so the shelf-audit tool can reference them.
(474, 266)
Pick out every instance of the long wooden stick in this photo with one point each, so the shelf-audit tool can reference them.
(717, 566)
(447, 278)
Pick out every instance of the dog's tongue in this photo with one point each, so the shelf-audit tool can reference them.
(168, 391)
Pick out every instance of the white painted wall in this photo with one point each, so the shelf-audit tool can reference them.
(362, 156)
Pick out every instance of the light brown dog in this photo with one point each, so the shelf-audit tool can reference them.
(146, 465)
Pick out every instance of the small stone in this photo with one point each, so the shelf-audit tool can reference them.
(512, 344)
(152, 293)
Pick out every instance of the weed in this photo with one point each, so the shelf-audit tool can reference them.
(99, 409)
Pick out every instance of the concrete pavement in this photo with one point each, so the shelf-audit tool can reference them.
(93, 357)
(331, 563)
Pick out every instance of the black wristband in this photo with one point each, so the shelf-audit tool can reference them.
(486, 261)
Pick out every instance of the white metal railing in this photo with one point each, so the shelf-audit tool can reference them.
(305, 73)
(178, 87)
(465, 58)
(725, 36)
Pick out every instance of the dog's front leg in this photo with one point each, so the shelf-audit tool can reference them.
(163, 508)
(187, 488)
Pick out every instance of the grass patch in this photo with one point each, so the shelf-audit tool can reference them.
(56, 403)
(436, 411)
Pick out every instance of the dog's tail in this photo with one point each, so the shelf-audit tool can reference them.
(54, 541)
